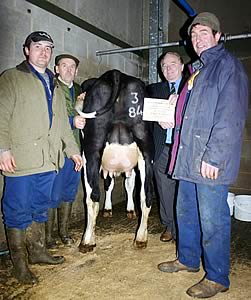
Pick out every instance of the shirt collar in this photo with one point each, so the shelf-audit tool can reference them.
(69, 85)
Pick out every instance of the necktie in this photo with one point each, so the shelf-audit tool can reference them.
(169, 131)
(172, 88)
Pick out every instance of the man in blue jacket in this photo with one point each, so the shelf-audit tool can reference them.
(208, 159)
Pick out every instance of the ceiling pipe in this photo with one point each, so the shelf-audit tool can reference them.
(224, 38)
(188, 9)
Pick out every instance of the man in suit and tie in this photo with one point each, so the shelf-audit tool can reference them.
(171, 65)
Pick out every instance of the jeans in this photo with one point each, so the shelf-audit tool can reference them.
(204, 229)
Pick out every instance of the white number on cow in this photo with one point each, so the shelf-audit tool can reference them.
(135, 96)
(133, 112)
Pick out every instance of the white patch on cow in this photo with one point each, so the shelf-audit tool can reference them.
(92, 213)
(129, 186)
(108, 196)
(142, 231)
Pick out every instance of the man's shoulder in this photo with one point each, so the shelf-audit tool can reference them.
(15, 72)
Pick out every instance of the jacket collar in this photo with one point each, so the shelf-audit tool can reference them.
(24, 67)
(212, 54)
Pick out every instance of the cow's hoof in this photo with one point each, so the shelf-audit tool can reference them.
(140, 245)
(131, 215)
(107, 213)
(86, 248)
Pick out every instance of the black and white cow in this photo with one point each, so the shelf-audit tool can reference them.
(115, 140)
(129, 187)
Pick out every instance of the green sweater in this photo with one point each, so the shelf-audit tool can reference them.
(24, 123)
(70, 105)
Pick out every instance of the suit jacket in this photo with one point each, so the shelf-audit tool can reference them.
(160, 90)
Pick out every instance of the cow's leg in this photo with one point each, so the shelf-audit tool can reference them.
(129, 186)
(88, 242)
(141, 236)
(107, 213)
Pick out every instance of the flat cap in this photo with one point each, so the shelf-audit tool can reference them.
(206, 19)
(65, 55)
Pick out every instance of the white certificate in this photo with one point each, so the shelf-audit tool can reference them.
(159, 110)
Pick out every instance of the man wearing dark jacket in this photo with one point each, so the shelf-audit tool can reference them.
(208, 158)
(172, 67)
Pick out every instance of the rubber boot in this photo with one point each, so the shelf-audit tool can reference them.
(38, 254)
(49, 226)
(64, 215)
(18, 253)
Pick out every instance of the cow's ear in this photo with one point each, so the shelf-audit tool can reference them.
(87, 84)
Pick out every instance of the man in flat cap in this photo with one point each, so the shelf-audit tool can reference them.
(210, 117)
(34, 131)
(66, 183)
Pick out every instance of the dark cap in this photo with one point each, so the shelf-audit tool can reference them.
(59, 57)
(38, 36)
(206, 19)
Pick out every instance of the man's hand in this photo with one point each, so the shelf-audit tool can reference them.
(166, 125)
(7, 162)
(173, 98)
(79, 122)
(209, 171)
(78, 162)
(81, 97)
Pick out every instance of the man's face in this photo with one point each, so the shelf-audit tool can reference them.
(171, 67)
(203, 38)
(39, 55)
(67, 69)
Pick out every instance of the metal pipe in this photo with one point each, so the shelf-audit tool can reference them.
(189, 10)
(224, 38)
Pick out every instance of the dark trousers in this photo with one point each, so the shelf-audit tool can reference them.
(26, 199)
(65, 186)
(166, 190)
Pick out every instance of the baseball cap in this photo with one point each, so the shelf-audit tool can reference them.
(38, 36)
(59, 57)
(206, 19)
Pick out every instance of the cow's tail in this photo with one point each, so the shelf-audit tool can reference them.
(112, 77)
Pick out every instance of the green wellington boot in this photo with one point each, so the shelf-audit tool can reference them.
(18, 252)
(64, 216)
(38, 254)
(49, 226)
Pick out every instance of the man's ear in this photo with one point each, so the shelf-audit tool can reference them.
(26, 51)
(56, 70)
(76, 72)
(217, 36)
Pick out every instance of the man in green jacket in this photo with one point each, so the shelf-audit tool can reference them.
(34, 135)
(66, 184)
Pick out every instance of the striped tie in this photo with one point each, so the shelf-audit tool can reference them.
(172, 88)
